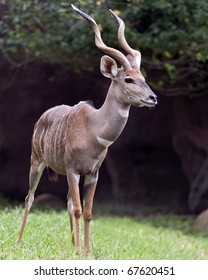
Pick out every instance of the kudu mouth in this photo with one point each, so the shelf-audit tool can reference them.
(151, 101)
(150, 104)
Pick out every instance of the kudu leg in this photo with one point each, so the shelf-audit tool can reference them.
(71, 215)
(36, 171)
(74, 207)
(89, 191)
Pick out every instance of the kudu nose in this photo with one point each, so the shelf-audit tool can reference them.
(153, 98)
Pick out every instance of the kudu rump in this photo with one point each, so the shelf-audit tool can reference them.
(74, 141)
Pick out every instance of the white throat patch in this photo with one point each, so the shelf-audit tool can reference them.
(104, 142)
(123, 113)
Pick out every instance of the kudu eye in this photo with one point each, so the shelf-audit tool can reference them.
(128, 80)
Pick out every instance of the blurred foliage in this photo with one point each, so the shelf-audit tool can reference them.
(172, 36)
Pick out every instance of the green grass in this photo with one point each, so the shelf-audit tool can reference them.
(119, 233)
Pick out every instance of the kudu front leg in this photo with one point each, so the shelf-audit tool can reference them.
(88, 196)
(71, 215)
(74, 207)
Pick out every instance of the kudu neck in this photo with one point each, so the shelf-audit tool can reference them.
(113, 115)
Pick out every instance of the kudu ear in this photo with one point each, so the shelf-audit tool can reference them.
(108, 67)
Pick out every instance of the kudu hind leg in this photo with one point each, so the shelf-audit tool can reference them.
(36, 171)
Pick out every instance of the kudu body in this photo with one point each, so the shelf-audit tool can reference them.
(74, 141)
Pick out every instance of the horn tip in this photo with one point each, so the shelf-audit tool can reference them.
(74, 7)
(115, 16)
(112, 12)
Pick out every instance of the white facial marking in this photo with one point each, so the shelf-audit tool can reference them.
(104, 142)
(127, 94)
(123, 113)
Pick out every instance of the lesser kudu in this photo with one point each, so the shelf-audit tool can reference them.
(74, 141)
